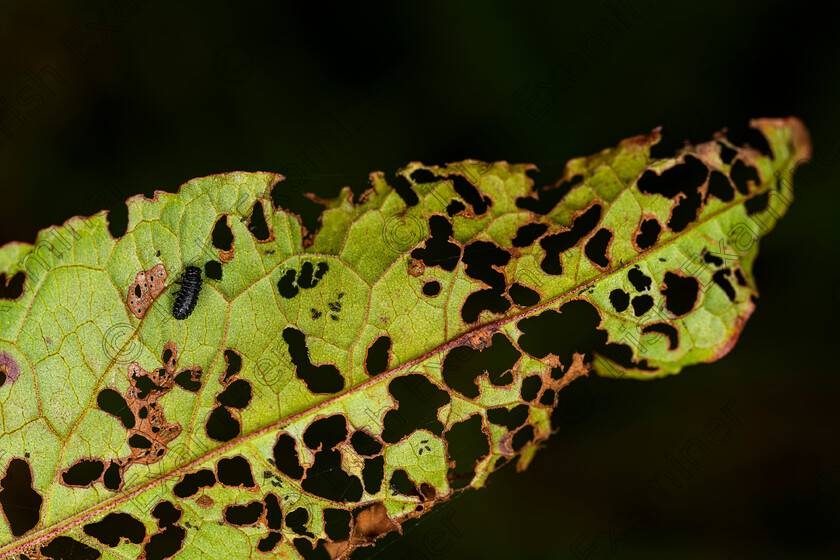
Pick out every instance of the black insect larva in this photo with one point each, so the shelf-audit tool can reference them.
(187, 296)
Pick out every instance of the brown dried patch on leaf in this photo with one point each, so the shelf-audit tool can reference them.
(204, 501)
(371, 523)
(143, 417)
(416, 267)
(148, 285)
(9, 369)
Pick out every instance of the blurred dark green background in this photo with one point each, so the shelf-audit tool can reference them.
(145, 95)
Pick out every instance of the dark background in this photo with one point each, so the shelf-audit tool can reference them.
(146, 95)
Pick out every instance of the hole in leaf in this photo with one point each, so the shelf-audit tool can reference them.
(680, 293)
(619, 300)
(431, 288)
(222, 235)
(466, 443)
(470, 194)
(455, 207)
(243, 515)
(511, 419)
(365, 444)
(297, 520)
(664, 328)
(438, 250)
(273, 512)
(642, 304)
(757, 203)
(20, 503)
(191, 483)
(720, 278)
(405, 191)
(113, 477)
(400, 483)
(66, 548)
(378, 356)
(235, 471)
(720, 187)
(522, 437)
(337, 523)
(110, 401)
(213, 270)
(165, 544)
(596, 247)
(267, 544)
(11, 288)
(423, 176)
(221, 425)
(547, 198)
(373, 474)
(527, 234)
(641, 282)
(531, 386)
(236, 395)
(523, 296)
(117, 526)
(286, 457)
(683, 178)
(463, 364)
(418, 401)
(648, 234)
(556, 244)
(320, 379)
(257, 224)
(83, 472)
(741, 176)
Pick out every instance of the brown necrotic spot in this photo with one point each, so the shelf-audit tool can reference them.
(556, 244)
(9, 369)
(20, 503)
(83, 472)
(439, 250)
(257, 224)
(378, 356)
(648, 233)
(116, 527)
(431, 288)
(235, 471)
(597, 247)
(680, 293)
(148, 284)
(743, 176)
(191, 483)
(418, 401)
(66, 548)
(466, 444)
(286, 457)
(720, 187)
(463, 364)
(11, 288)
(223, 239)
(244, 515)
(320, 379)
(548, 197)
(664, 328)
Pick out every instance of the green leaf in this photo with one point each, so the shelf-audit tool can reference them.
(326, 387)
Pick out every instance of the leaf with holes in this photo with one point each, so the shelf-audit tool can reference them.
(305, 393)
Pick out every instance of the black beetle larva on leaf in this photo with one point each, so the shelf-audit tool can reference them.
(187, 296)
